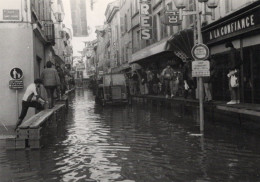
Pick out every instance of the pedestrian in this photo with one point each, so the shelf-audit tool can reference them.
(150, 76)
(174, 83)
(62, 80)
(134, 81)
(234, 73)
(207, 81)
(51, 81)
(190, 83)
(31, 98)
(167, 75)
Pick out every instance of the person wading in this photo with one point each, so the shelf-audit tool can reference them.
(51, 81)
(31, 98)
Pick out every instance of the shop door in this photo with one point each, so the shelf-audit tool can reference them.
(220, 90)
(251, 74)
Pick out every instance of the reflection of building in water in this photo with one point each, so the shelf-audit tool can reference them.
(79, 17)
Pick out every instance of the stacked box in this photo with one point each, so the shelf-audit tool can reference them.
(20, 143)
(22, 133)
(35, 143)
(10, 143)
(35, 133)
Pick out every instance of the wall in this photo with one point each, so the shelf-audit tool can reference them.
(16, 51)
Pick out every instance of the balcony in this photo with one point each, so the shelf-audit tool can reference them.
(49, 31)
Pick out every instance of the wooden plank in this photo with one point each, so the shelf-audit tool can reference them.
(240, 111)
(28, 122)
(47, 114)
(42, 118)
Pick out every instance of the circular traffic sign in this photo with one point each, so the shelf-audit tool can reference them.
(200, 52)
(16, 73)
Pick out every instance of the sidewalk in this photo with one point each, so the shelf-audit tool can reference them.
(243, 113)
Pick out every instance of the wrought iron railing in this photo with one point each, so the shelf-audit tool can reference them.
(49, 31)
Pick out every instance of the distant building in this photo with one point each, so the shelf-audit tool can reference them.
(79, 18)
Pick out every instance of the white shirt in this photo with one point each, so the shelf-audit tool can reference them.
(31, 89)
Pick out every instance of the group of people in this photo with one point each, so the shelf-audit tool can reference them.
(177, 80)
(53, 79)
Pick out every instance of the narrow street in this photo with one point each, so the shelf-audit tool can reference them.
(138, 143)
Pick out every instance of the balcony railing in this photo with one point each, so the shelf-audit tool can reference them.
(49, 31)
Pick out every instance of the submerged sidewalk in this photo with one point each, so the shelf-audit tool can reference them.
(243, 114)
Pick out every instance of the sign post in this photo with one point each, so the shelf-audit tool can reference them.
(16, 83)
(200, 69)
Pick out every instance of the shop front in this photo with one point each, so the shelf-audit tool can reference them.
(242, 29)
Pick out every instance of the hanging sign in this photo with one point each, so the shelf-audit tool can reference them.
(172, 18)
(200, 69)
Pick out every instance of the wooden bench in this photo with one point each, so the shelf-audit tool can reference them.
(30, 132)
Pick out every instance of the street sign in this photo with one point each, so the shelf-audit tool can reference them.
(16, 84)
(200, 68)
(16, 73)
(172, 18)
(200, 52)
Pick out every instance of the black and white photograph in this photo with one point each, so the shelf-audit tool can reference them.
(130, 91)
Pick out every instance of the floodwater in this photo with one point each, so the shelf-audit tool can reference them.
(138, 143)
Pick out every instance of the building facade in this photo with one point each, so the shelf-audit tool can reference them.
(236, 22)
(113, 23)
(79, 18)
(28, 36)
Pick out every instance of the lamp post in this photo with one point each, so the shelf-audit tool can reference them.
(181, 4)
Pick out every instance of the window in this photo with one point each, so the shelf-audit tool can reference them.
(227, 5)
(126, 28)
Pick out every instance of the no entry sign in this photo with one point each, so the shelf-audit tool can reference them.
(200, 52)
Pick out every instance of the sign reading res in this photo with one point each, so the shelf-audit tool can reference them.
(146, 19)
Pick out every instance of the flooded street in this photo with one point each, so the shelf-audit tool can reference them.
(138, 143)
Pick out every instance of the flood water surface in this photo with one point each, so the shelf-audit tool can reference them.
(138, 143)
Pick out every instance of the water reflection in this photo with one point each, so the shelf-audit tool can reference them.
(142, 142)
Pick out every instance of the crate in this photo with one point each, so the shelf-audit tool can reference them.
(35, 143)
(10, 143)
(20, 143)
(22, 133)
(35, 133)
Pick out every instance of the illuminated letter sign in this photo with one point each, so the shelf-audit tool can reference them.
(146, 19)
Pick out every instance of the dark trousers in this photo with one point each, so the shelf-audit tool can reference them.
(25, 107)
(50, 92)
(192, 86)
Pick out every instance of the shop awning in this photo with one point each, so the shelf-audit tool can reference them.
(151, 50)
(120, 68)
(181, 44)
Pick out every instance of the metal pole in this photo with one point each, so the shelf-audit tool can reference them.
(17, 102)
(200, 78)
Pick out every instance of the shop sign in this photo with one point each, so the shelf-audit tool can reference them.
(234, 26)
(200, 52)
(11, 14)
(16, 84)
(200, 69)
(172, 18)
(146, 19)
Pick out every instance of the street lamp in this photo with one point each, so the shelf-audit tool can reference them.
(212, 4)
(181, 4)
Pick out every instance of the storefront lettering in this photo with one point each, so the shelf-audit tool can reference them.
(235, 26)
(146, 19)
